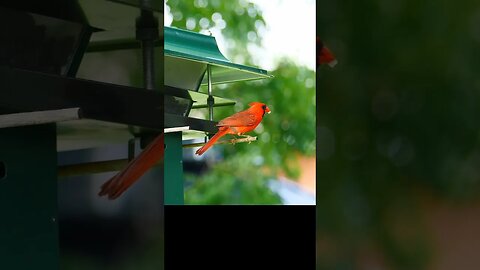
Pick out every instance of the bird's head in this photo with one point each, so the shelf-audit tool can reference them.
(260, 105)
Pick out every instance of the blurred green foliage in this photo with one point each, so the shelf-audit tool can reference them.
(245, 186)
(283, 135)
(398, 116)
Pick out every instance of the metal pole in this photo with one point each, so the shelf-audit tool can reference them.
(131, 149)
(148, 67)
(147, 33)
(148, 64)
(210, 100)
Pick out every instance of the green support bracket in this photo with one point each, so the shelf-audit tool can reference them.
(28, 198)
(173, 169)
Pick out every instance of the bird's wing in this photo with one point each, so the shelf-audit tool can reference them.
(239, 119)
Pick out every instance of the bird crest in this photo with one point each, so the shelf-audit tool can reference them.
(255, 103)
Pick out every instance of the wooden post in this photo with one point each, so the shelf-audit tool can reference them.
(173, 169)
(28, 198)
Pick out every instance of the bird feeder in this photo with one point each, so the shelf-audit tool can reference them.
(45, 109)
(193, 60)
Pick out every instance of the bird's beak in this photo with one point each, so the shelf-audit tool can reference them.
(268, 110)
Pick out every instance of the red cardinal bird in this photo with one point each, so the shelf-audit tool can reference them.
(325, 56)
(153, 153)
(238, 123)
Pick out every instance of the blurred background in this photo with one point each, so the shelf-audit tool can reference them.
(94, 232)
(399, 135)
(280, 167)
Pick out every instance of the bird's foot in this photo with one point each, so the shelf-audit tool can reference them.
(248, 137)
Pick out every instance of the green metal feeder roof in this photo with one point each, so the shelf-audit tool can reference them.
(200, 50)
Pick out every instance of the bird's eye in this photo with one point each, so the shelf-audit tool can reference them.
(264, 107)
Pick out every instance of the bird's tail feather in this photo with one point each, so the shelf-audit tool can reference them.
(220, 133)
(134, 170)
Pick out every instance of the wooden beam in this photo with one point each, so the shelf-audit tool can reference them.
(39, 117)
